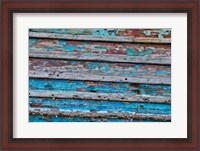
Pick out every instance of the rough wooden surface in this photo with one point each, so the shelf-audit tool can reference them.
(99, 71)
(100, 87)
(131, 39)
(104, 106)
(130, 116)
(100, 96)
(99, 57)
(99, 75)
(153, 33)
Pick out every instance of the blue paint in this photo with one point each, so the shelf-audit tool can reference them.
(99, 87)
(73, 62)
(69, 48)
(104, 67)
(132, 52)
(62, 42)
(160, 72)
(49, 49)
(103, 106)
(104, 32)
(92, 65)
(136, 66)
(32, 40)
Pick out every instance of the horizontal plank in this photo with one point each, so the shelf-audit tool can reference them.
(131, 116)
(93, 47)
(99, 71)
(99, 57)
(130, 39)
(154, 33)
(81, 76)
(100, 96)
(98, 106)
(100, 87)
(55, 118)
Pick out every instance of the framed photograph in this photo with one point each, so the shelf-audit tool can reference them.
(95, 75)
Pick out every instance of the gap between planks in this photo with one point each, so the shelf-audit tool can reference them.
(130, 116)
(130, 39)
(84, 76)
(99, 57)
(100, 96)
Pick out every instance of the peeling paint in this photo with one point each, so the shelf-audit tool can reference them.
(87, 75)
(132, 52)
(161, 32)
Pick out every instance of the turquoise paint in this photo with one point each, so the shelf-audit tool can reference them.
(76, 31)
(105, 32)
(136, 66)
(160, 72)
(161, 32)
(69, 48)
(73, 62)
(92, 65)
(32, 40)
(49, 49)
(99, 87)
(132, 52)
(104, 67)
(103, 106)
(62, 42)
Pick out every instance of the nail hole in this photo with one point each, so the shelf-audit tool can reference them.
(57, 75)
(125, 78)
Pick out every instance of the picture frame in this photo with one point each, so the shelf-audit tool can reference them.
(8, 142)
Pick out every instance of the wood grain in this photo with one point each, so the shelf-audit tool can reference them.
(100, 96)
(99, 38)
(99, 57)
(133, 116)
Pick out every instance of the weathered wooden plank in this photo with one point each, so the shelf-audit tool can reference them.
(133, 116)
(98, 106)
(100, 96)
(99, 57)
(100, 87)
(131, 39)
(55, 118)
(81, 76)
(100, 71)
(129, 49)
(64, 57)
(154, 33)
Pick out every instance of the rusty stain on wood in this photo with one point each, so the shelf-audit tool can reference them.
(99, 75)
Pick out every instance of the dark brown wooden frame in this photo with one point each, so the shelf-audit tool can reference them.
(191, 7)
